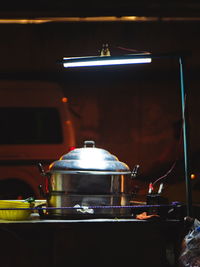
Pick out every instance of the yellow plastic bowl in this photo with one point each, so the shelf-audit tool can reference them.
(20, 210)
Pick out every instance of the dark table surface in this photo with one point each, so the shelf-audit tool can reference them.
(90, 242)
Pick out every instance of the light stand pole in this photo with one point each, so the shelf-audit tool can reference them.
(185, 139)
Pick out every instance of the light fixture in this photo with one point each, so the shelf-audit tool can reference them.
(105, 59)
(73, 62)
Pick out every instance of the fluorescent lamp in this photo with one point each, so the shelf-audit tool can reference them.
(72, 62)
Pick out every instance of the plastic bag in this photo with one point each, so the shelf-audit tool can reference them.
(190, 254)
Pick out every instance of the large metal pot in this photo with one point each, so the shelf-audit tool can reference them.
(89, 181)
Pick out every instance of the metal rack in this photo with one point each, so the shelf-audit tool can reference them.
(180, 56)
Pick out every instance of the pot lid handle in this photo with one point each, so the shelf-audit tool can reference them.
(89, 143)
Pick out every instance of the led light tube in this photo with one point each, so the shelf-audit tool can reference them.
(103, 61)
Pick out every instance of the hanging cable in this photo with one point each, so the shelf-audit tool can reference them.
(178, 150)
(131, 50)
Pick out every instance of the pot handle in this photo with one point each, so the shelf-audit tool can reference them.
(135, 171)
(47, 182)
(89, 143)
(41, 170)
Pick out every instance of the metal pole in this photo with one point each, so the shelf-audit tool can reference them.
(185, 141)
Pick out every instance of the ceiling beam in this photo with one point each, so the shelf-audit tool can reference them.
(61, 8)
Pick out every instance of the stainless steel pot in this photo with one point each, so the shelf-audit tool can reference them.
(89, 181)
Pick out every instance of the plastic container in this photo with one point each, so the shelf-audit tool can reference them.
(14, 210)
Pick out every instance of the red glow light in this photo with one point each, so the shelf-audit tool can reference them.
(64, 99)
(72, 148)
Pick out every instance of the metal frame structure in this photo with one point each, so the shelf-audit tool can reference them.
(181, 59)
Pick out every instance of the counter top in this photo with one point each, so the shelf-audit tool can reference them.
(35, 219)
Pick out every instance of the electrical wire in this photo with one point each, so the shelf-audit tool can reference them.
(131, 50)
(178, 150)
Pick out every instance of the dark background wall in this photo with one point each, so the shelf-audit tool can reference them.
(134, 112)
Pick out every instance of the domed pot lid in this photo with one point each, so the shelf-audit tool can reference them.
(91, 160)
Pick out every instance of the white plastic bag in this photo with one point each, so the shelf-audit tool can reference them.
(190, 255)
